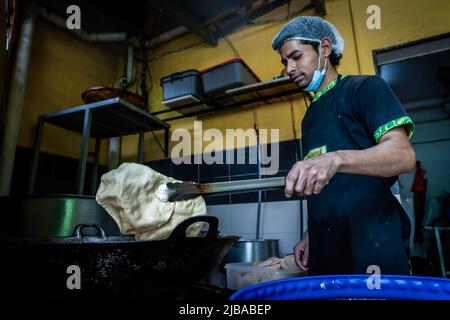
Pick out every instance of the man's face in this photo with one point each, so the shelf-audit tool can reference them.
(300, 61)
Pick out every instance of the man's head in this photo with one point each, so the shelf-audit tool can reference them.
(306, 44)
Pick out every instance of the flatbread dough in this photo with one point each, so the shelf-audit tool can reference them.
(128, 195)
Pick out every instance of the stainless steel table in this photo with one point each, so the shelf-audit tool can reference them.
(100, 120)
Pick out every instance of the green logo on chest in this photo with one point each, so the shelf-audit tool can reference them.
(316, 152)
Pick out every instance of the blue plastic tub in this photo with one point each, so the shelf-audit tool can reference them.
(348, 287)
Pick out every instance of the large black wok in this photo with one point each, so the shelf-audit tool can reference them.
(111, 266)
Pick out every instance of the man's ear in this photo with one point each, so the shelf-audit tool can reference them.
(326, 47)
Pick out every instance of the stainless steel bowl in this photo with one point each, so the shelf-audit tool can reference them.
(252, 250)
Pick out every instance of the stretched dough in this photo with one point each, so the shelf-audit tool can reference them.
(128, 195)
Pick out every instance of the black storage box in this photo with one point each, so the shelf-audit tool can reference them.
(183, 88)
(227, 75)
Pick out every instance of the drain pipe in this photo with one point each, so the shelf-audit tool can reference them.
(114, 144)
(167, 36)
(130, 66)
(86, 36)
(129, 74)
(15, 103)
(114, 151)
(110, 36)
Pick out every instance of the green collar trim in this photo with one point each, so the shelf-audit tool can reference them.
(329, 86)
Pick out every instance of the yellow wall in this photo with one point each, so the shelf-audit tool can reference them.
(401, 21)
(61, 68)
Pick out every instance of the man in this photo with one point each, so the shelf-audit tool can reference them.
(355, 134)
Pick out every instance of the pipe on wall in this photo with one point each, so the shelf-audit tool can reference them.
(167, 36)
(15, 103)
(114, 151)
(86, 36)
(129, 74)
(130, 65)
(109, 36)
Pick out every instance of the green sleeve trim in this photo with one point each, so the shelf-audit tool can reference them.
(404, 121)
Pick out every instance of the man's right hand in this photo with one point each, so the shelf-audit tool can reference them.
(301, 253)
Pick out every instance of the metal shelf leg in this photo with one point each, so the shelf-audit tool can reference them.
(95, 170)
(35, 161)
(141, 148)
(166, 142)
(84, 151)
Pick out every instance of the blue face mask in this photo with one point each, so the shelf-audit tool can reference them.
(318, 75)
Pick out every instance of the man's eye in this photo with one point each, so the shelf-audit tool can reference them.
(297, 57)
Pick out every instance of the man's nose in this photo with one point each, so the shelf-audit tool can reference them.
(290, 67)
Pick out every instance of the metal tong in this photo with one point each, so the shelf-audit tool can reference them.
(178, 191)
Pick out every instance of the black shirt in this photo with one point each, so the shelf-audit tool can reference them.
(368, 109)
(367, 105)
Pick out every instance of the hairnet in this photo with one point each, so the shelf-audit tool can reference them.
(311, 29)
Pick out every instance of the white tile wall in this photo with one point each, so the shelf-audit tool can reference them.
(286, 243)
(223, 213)
(280, 217)
(245, 236)
(279, 220)
(243, 218)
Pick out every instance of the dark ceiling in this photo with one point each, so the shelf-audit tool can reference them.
(210, 19)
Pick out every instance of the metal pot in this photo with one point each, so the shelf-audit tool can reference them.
(110, 265)
(252, 250)
(42, 216)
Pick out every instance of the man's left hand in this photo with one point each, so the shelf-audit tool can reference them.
(311, 176)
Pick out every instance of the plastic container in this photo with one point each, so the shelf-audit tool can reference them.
(244, 274)
(349, 287)
(183, 88)
(227, 75)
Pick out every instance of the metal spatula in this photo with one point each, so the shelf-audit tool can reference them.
(178, 191)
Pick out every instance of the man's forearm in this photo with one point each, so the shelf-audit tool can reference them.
(386, 159)
(392, 156)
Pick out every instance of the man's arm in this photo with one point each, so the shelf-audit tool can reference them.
(392, 156)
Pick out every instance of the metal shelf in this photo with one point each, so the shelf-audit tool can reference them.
(100, 120)
(262, 93)
(110, 118)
